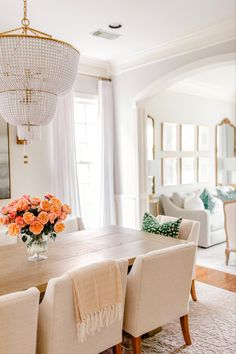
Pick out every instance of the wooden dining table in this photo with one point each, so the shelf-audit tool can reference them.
(72, 250)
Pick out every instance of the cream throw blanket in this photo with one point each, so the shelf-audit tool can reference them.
(98, 297)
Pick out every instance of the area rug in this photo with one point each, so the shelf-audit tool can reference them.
(214, 258)
(212, 322)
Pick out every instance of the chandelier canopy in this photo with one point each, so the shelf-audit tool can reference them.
(34, 69)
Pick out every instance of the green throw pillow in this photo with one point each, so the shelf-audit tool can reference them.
(208, 200)
(171, 228)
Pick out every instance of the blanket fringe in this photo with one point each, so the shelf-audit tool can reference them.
(94, 322)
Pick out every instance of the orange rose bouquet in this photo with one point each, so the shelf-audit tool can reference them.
(35, 219)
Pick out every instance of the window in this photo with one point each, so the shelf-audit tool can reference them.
(87, 139)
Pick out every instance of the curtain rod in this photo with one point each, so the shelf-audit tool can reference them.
(96, 77)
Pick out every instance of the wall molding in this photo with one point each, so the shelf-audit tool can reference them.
(202, 89)
(93, 66)
(211, 36)
(204, 38)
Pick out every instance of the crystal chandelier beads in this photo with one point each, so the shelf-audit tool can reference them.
(37, 64)
(34, 69)
(27, 107)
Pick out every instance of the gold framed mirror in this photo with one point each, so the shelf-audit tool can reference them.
(226, 153)
(150, 138)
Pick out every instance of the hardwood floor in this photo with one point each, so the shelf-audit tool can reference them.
(216, 278)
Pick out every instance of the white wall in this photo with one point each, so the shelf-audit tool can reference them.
(34, 178)
(137, 84)
(86, 85)
(183, 108)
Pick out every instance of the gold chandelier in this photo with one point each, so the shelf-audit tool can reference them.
(34, 69)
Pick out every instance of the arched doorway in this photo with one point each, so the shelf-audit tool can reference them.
(155, 88)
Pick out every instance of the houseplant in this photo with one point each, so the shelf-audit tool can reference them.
(35, 220)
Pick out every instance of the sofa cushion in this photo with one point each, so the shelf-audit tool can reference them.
(193, 202)
(178, 200)
(171, 228)
(217, 221)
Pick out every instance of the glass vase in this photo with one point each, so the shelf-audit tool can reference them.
(36, 249)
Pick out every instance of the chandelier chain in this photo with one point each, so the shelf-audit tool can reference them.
(25, 21)
(25, 8)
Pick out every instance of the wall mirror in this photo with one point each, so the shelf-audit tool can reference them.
(150, 138)
(5, 190)
(225, 153)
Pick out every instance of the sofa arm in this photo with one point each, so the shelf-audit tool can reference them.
(203, 216)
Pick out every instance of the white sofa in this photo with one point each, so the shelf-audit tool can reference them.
(211, 225)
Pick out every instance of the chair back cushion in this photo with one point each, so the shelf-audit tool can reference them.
(18, 322)
(73, 225)
(57, 324)
(189, 229)
(158, 288)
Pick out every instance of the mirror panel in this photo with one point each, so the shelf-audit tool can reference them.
(5, 192)
(225, 153)
(150, 141)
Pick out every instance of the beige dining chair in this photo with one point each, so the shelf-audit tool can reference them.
(73, 225)
(57, 332)
(189, 231)
(157, 292)
(18, 322)
(230, 228)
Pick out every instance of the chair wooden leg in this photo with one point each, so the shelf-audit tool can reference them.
(117, 349)
(136, 344)
(193, 291)
(227, 253)
(185, 329)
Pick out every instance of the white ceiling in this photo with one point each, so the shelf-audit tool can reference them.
(219, 82)
(146, 23)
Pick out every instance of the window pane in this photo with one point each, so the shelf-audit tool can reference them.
(87, 138)
(92, 133)
(80, 132)
(79, 110)
(91, 113)
(83, 153)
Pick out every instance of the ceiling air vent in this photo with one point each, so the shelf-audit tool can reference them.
(106, 35)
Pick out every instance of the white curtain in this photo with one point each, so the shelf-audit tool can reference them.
(106, 117)
(65, 180)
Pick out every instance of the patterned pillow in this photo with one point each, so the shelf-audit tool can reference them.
(226, 195)
(208, 200)
(171, 228)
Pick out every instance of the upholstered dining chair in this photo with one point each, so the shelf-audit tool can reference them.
(189, 231)
(18, 322)
(57, 331)
(230, 228)
(73, 224)
(157, 293)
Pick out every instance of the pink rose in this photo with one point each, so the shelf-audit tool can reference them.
(49, 196)
(12, 214)
(63, 215)
(20, 221)
(4, 210)
(12, 203)
(26, 196)
(35, 201)
(22, 205)
(52, 217)
(6, 220)
(66, 208)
